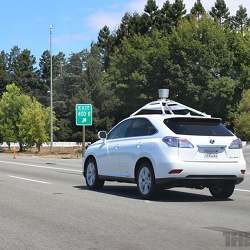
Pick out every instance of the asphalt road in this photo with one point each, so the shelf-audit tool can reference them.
(44, 205)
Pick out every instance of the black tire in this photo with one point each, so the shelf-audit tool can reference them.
(149, 188)
(93, 183)
(222, 190)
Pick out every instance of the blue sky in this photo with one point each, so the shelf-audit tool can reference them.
(76, 22)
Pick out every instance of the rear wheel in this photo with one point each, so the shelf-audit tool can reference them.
(222, 190)
(146, 180)
(91, 176)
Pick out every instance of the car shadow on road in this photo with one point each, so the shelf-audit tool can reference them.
(161, 195)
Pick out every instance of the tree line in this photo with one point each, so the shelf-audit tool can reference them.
(202, 57)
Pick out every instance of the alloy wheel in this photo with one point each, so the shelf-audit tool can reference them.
(145, 180)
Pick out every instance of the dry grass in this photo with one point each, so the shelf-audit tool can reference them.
(58, 152)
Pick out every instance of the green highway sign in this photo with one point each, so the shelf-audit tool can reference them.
(83, 114)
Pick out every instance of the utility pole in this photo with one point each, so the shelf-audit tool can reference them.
(51, 89)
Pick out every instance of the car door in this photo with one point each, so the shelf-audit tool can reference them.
(131, 146)
(115, 136)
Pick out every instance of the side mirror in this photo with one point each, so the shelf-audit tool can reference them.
(102, 135)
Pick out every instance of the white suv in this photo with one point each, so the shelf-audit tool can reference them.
(166, 144)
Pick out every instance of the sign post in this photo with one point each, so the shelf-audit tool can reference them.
(83, 118)
(83, 139)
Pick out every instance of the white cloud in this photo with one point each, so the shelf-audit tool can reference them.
(100, 18)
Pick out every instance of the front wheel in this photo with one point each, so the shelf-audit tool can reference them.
(222, 190)
(146, 180)
(91, 176)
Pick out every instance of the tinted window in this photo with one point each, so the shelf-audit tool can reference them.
(185, 112)
(149, 112)
(120, 130)
(194, 126)
(141, 127)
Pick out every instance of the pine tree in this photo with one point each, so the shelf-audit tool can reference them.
(44, 64)
(103, 36)
(42, 90)
(198, 10)
(178, 11)
(22, 69)
(166, 21)
(220, 11)
(150, 16)
(151, 7)
(4, 76)
(123, 30)
(240, 21)
(105, 44)
(14, 53)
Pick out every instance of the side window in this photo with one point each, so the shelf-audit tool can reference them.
(141, 127)
(120, 131)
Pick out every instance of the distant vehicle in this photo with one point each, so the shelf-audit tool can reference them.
(163, 145)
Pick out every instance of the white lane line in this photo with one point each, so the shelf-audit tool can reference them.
(26, 179)
(39, 166)
(242, 190)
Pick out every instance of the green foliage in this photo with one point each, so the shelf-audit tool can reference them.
(152, 19)
(11, 104)
(34, 124)
(202, 54)
(220, 92)
(220, 11)
(136, 70)
(178, 11)
(22, 119)
(191, 62)
(105, 42)
(165, 18)
(82, 81)
(240, 22)
(4, 77)
(22, 69)
(196, 62)
(198, 10)
(151, 7)
(242, 117)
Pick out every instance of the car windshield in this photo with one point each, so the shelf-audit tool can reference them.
(196, 126)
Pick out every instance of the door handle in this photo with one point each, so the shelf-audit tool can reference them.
(116, 146)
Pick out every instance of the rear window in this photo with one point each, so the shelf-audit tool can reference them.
(196, 126)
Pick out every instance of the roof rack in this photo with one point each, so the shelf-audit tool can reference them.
(165, 106)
